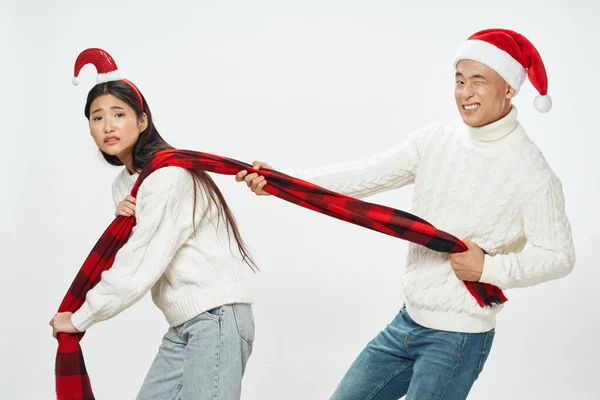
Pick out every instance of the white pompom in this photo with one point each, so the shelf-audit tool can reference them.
(75, 81)
(542, 103)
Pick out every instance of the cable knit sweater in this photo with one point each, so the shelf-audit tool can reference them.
(187, 272)
(491, 185)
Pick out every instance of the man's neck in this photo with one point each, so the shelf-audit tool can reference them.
(496, 130)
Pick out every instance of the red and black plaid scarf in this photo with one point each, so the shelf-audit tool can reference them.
(72, 381)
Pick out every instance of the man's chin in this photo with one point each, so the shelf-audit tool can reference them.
(472, 121)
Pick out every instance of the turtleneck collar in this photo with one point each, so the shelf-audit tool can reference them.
(496, 130)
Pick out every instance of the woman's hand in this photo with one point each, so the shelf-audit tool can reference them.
(254, 181)
(126, 208)
(61, 322)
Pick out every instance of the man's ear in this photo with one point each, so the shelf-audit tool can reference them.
(510, 92)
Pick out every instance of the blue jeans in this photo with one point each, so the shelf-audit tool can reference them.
(205, 358)
(421, 363)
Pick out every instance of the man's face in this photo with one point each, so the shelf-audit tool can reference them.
(482, 96)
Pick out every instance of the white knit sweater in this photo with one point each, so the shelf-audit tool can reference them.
(491, 185)
(188, 273)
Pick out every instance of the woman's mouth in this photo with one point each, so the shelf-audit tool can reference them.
(111, 140)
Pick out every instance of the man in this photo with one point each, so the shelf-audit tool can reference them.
(481, 179)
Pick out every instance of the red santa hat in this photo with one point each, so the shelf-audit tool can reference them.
(512, 56)
(105, 66)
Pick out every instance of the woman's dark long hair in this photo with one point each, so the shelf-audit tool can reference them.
(150, 142)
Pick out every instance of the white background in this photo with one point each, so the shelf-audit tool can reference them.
(299, 84)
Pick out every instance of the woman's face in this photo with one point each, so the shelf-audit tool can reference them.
(114, 125)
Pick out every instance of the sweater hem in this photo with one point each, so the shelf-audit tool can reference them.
(452, 322)
(195, 301)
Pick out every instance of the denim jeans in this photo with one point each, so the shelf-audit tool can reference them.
(205, 358)
(421, 363)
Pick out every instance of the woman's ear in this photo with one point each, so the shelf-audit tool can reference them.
(143, 122)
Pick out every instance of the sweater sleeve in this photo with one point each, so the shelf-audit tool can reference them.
(387, 170)
(164, 223)
(548, 231)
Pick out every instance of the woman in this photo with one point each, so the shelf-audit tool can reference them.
(185, 248)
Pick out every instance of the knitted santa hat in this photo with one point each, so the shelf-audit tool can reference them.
(512, 56)
(105, 66)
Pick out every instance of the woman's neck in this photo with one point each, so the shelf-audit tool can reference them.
(128, 162)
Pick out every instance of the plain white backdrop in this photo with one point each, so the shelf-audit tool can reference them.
(298, 84)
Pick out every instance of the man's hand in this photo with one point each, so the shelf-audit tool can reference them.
(468, 265)
(254, 181)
